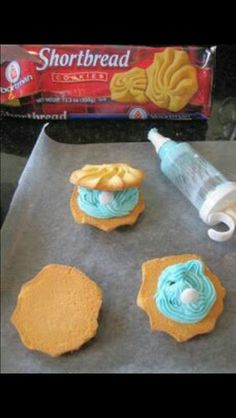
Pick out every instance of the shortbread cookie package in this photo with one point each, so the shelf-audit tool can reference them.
(95, 81)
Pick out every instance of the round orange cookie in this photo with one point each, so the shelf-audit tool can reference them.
(104, 224)
(57, 310)
(151, 271)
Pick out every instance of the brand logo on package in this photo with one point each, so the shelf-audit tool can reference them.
(13, 76)
(138, 113)
(12, 72)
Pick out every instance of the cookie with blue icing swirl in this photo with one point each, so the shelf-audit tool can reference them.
(174, 282)
(116, 204)
(180, 295)
(107, 195)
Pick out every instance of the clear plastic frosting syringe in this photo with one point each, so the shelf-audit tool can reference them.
(209, 191)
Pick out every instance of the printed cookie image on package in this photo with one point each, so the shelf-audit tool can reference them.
(172, 80)
(129, 86)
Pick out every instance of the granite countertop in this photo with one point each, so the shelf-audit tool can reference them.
(18, 136)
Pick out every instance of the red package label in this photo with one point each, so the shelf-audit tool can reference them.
(109, 81)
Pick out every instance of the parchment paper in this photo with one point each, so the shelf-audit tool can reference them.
(39, 229)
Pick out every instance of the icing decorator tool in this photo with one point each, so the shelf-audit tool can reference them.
(209, 191)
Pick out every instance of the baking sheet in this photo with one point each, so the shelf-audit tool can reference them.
(39, 230)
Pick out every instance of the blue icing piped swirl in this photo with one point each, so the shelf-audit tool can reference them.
(173, 281)
(122, 202)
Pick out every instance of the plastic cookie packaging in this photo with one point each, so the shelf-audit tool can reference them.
(109, 81)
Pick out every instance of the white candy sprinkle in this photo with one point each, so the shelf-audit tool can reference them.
(189, 295)
(105, 197)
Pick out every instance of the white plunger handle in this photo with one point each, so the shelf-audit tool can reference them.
(225, 218)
